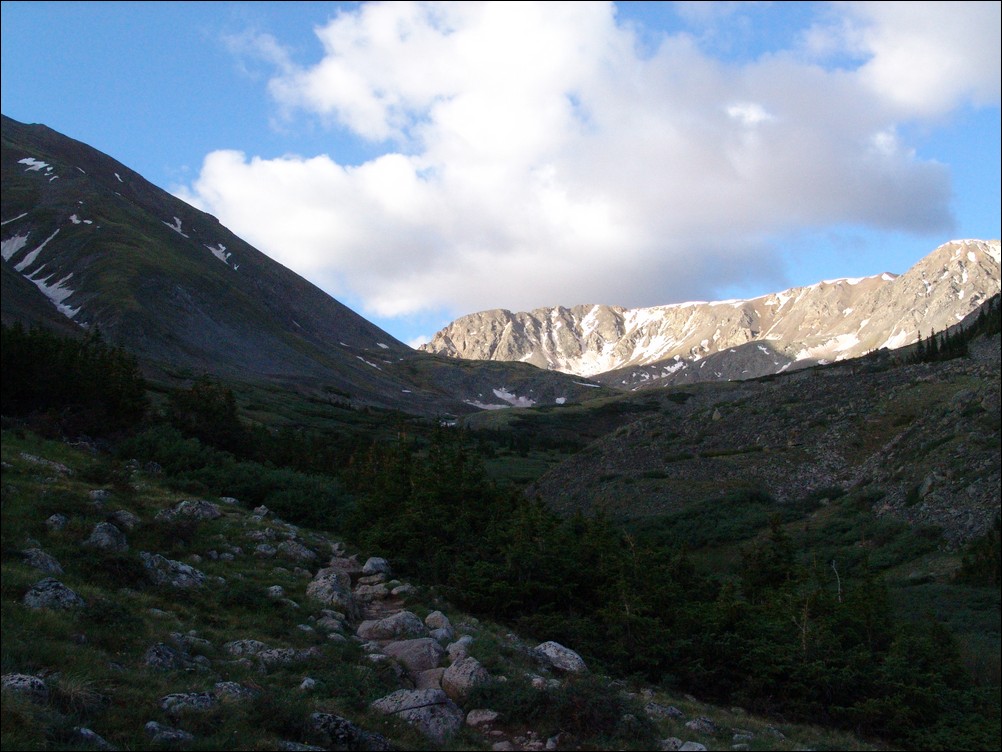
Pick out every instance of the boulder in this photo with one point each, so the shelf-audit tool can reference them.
(702, 725)
(28, 686)
(376, 565)
(85, 737)
(230, 691)
(295, 551)
(430, 679)
(56, 522)
(332, 587)
(165, 658)
(192, 509)
(239, 648)
(51, 593)
(164, 571)
(560, 658)
(39, 559)
(437, 620)
(107, 537)
(481, 717)
(430, 711)
(125, 519)
(401, 624)
(417, 655)
(462, 677)
(340, 733)
(180, 703)
(161, 734)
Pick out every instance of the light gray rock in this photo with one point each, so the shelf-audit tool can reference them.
(51, 593)
(99, 495)
(107, 537)
(401, 624)
(264, 550)
(481, 717)
(657, 711)
(416, 655)
(296, 552)
(560, 658)
(460, 648)
(437, 620)
(163, 657)
(702, 725)
(239, 648)
(332, 587)
(443, 634)
(462, 677)
(275, 592)
(369, 593)
(340, 733)
(430, 679)
(376, 565)
(28, 686)
(39, 559)
(161, 734)
(56, 522)
(175, 574)
(192, 509)
(430, 711)
(179, 703)
(230, 691)
(84, 736)
(692, 747)
(125, 519)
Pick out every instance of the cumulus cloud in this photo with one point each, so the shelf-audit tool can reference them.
(538, 154)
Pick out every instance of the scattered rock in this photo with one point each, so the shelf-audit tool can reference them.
(340, 733)
(51, 593)
(430, 711)
(123, 518)
(239, 648)
(165, 658)
(56, 522)
(702, 725)
(39, 559)
(402, 624)
(192, 509)
(164, 571)
(481, 717)
(692, 747)
(416, 655)
(229, 691)
(308, 684)
(332, 587)
(88, 738)
(107, 537)
(562, 659)
(462, 677)
(376, 565)
(161, 734)
(180, 703)
(296, 552)
(275, 592)
(28, 686)
(657, 711)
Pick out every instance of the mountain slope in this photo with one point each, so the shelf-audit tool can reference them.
(87, 240)
(827, 321)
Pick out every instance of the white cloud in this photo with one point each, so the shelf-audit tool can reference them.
(536, 157)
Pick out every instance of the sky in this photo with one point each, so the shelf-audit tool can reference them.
(421, 161)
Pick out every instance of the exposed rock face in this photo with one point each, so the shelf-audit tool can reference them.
(50, 593)
(417, 655)
(827, 321)
(429, 710)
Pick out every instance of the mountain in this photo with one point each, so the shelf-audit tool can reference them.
(89, 243)
(737, 339)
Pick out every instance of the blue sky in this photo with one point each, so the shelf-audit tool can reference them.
(419, 161)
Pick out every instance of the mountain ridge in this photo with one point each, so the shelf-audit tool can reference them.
(827, 321)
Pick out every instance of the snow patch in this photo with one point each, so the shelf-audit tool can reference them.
(368, 363)
(219, 251)
(30, 258)
(57, 293)
(34, 165)
(590, 386)
(896, 340)
(385, 347)
(176, 226)
(10, 246)
(14, 219)
(122, 181)
(561, 400)
(513, 399)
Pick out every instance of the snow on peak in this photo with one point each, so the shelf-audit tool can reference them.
(219, 251)
(30, 258)
(10, 246)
